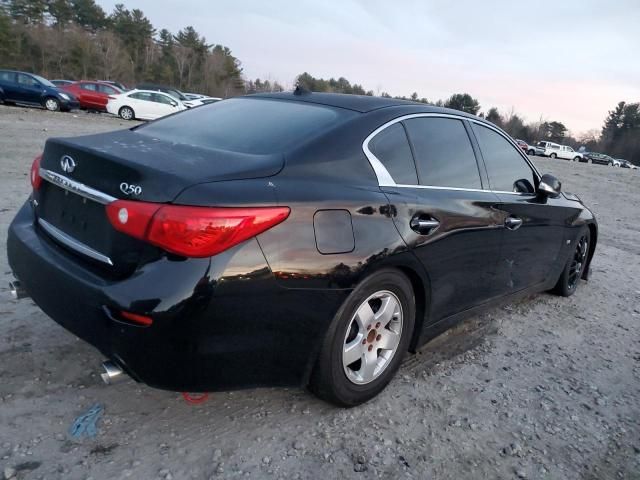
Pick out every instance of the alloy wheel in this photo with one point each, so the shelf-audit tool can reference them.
(372, 337)
(578, 261)
(51, 105)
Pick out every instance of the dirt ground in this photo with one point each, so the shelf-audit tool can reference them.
(545, 388)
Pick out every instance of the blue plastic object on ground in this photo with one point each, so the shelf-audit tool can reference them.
(85, 424)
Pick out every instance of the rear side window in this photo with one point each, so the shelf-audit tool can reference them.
(88, 86)
(142, 96)
(8, 76)
(443, 152)
(247, 125)
(391, 147)
(507, 170)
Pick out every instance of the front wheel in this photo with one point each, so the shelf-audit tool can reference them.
(126, 113)
(553, 155)
(366, 340)
(573, 270)
(576, 159)
(52, 104)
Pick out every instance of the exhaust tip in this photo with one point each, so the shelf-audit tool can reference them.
(112, 373)
(17, 291)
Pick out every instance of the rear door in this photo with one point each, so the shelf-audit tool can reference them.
(534, 225)
(440, 207)
(9, 84)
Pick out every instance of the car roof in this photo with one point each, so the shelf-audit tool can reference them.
(358, 103)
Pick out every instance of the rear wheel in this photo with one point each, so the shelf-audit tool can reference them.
(553, 155)
(366, 341)
(531, 152)
(573, 270)
(126, 113)
(52, 104)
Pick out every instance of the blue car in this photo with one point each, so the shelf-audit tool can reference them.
(30, 89)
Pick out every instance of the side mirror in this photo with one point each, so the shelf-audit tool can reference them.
(549, 186)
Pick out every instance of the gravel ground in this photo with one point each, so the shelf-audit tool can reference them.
(544, 388)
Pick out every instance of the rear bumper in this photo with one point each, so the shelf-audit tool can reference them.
(218, 323)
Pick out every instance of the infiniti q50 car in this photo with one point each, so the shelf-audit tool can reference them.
(289, 239)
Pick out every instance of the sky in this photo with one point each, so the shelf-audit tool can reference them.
(565, 60)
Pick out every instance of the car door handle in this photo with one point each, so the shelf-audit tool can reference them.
(513, 223)
(424, 225)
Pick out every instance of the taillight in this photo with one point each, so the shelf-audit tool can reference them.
(192, 231)
(36, 179)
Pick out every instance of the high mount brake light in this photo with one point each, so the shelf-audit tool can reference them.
(34, 176)
(192, 231)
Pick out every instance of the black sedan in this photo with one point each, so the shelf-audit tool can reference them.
(601, 159)
(289, 239)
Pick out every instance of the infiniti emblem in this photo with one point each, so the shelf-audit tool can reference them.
(67, 164)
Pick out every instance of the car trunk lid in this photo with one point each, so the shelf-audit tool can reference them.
(84, 174)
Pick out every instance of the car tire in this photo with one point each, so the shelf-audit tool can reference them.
(360, 325)
(52, 104)
(531, 152)
(127, 113)
(576, 159)
(577, 262)
(553, 155)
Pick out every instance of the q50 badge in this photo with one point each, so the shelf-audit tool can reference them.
(129, 189)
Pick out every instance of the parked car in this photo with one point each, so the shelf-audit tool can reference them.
(118, 85)
(523, 145)
(92, 95)
(203, 98)
(29, 89)
(626, 164)
(555, 150)
(601, 159)
(175, 93)
(61, 83)
(535, 150)
(195, 257)
(143, 105)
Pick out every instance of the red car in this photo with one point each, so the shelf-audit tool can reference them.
(521, 143)
(92, 95)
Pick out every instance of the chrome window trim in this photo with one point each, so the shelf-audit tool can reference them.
(386, 180)
(72, 243)
(76, 187)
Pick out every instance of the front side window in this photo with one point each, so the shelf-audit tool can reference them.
(88, 86)
(27, 80)
(443, 152)
(507, 170)
(391, 147)
(160, 98)
(107, 89)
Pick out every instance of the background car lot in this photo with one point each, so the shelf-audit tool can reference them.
(548, 387)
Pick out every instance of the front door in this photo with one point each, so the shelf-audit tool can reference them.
(29, 89)
(533, 225)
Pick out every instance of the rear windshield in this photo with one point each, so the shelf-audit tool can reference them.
(247, 125)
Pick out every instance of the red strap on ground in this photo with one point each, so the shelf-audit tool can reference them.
(195, 399)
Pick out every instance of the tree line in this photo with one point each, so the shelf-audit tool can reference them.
(77, 39)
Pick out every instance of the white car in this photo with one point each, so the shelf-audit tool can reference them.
(555, 150)
(143, 105)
